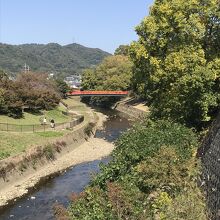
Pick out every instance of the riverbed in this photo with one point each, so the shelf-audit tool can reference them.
(39, 203)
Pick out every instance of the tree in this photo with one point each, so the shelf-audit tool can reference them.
(61, 60)
(3, 76)
(176, 60)
(122, 50)
(37, 91)
(62, 87)
(9, 100)
(114, 73)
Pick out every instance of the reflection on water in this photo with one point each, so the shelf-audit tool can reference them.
(39, 204)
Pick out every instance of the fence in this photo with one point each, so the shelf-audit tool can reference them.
(38, 127)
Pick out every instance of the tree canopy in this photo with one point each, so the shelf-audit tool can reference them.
(62, 87)
(29, 90)
(114, 73)
(122, 50)
(176, 60)
(37, 91)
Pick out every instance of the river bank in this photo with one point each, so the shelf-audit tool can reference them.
(132, 108)
(79, 148)
(39, 202)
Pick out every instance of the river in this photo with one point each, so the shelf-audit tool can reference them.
(39, 203)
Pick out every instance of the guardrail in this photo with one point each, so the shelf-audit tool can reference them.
(38, 127)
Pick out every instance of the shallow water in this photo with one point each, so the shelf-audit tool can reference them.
(39, 204)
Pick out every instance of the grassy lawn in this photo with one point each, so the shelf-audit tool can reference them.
(75, 104)
(14, 143)
(34, 118)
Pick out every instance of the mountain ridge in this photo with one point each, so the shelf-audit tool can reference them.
(62, 60)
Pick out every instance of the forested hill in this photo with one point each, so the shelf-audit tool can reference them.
(51, 57)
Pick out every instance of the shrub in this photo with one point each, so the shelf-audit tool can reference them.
(93, 205)
(48, 152)
(153, 169)
(165, 170)
(145, 140)
(187, 205)
(89, 129)
(60, 212)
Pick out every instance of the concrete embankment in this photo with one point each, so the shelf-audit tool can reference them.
(132, 108)
(21, 173)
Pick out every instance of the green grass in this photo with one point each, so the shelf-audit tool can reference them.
(34, 118)
(15, 143)
(50, 134)
(75, 104)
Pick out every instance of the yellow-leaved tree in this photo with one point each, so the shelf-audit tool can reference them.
(177, 60)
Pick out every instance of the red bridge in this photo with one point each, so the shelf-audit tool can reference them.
(98, 93)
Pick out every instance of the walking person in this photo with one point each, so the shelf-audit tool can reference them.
(45, 121)
(52, 123)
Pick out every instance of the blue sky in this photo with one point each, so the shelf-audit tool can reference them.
(101, 24)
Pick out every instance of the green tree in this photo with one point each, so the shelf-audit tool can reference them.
(10, 102)
(37, 91)
(62, 87)
(2, 79)
(61, 60)
(176, 60)
(114, 73)
(122, 50)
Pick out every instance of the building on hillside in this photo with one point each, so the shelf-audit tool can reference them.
(74, 81)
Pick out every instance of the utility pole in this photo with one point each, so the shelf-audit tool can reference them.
(25, 68)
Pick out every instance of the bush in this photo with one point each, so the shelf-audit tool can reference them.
(48, 152)
(89, 129)
(152, 175)
(145, 140)
(60, 212)
(93, 205)
(165, 170)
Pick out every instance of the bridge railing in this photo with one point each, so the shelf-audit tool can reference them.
(97, 93)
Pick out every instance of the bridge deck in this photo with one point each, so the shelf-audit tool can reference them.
(98, 93)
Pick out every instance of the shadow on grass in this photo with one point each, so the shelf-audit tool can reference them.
(36, 112)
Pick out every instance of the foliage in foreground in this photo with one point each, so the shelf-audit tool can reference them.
(152, 175)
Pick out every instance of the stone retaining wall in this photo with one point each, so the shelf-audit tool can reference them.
(210, 155)
(130, 110)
